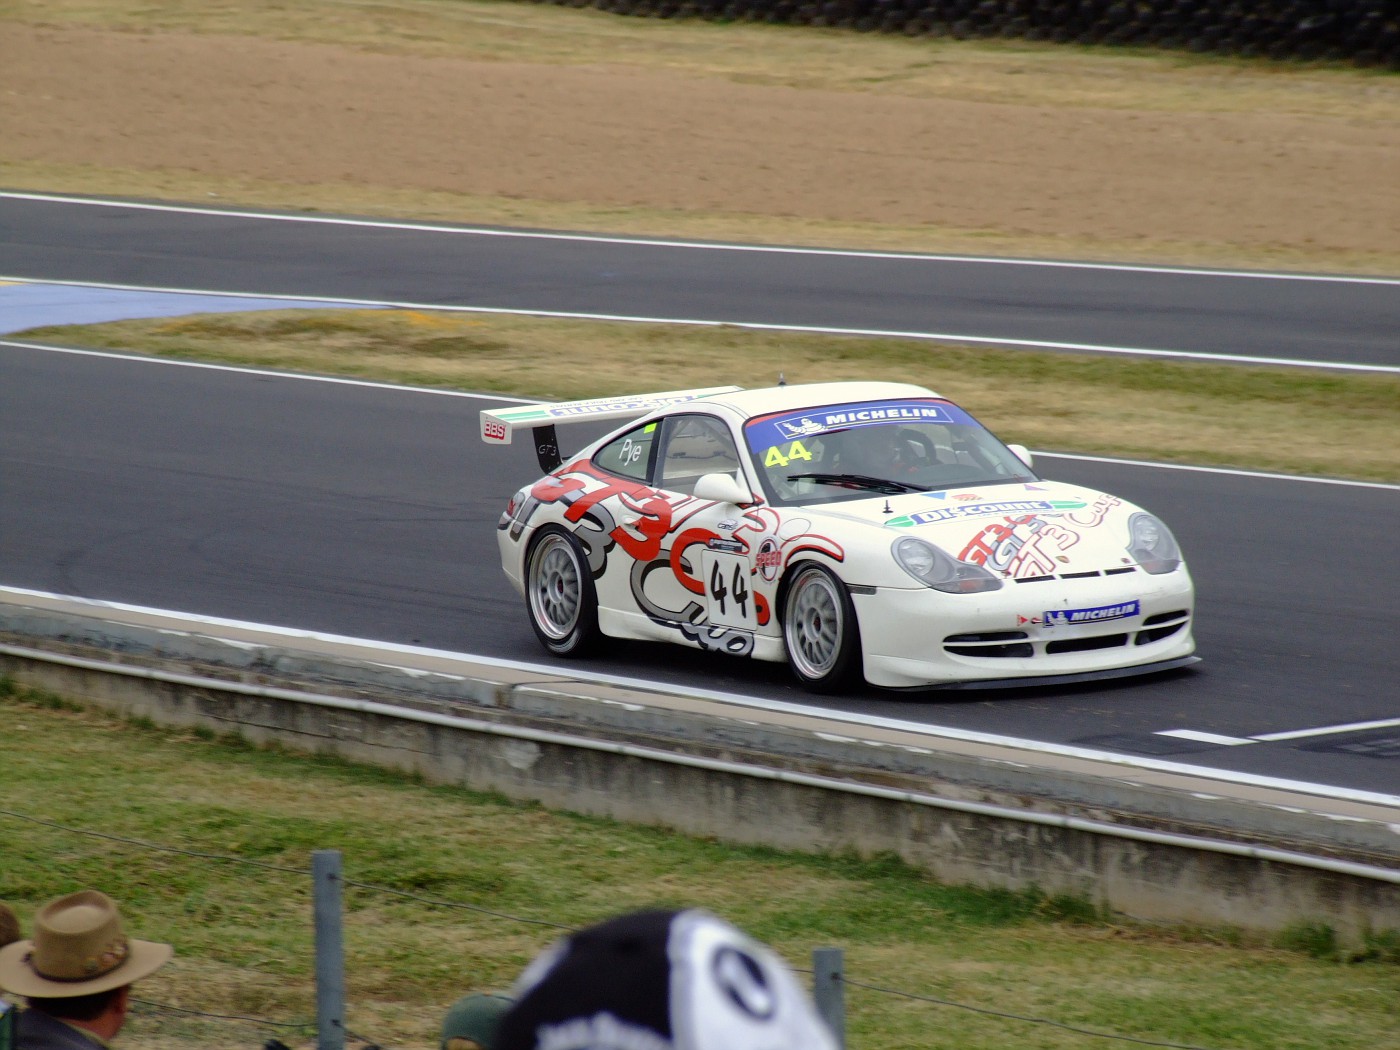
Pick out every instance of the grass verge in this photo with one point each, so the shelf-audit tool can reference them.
(450, 890)
(1287, 420)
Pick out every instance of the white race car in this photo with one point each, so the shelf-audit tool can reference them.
(851, 529)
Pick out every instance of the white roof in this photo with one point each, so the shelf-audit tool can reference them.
(803, 395)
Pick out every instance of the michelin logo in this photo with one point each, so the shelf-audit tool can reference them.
(1063, 617)
(898, 413)
(802, 428)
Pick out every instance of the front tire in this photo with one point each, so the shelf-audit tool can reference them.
(820, 629)
(559, 595)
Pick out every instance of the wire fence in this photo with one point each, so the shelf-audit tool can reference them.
(171, 1026)
(1364, 33)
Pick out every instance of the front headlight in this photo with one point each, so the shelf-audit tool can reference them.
(934, 567)
(1152, 545)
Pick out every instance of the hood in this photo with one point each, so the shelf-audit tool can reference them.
(1019, 530)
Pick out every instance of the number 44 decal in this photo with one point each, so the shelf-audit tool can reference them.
(727, 591)
(738, 590)
(776, 457)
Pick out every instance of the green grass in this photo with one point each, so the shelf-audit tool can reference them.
(450, 890)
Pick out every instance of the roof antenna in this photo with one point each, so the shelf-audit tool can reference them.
(782, 379)
(888, 508)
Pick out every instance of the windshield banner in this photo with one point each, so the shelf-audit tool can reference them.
(767, 431)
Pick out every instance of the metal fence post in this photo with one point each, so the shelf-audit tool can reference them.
(829, 990)
(330, 950)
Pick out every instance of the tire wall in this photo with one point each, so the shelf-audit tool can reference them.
(1364, 33)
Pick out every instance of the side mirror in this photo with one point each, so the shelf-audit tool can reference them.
(722, 488)
(1023, 454)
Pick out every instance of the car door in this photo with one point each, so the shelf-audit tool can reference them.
(714, 553)
(676, 567)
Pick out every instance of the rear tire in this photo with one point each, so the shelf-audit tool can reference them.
(820, 629)
(559, 594)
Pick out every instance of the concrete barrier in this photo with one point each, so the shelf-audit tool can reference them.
(1151, 843)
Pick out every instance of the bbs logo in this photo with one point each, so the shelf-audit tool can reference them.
(493, 431)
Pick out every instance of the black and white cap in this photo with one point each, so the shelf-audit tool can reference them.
(661, 980)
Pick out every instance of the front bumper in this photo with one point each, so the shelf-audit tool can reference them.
(1034, 632)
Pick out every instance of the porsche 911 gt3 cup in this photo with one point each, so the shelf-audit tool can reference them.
(853, 530)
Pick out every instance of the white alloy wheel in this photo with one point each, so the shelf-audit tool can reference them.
(559, 591)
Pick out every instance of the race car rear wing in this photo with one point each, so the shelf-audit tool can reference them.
(498, 425)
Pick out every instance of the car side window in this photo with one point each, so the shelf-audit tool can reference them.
(692, 446)
(629, 455)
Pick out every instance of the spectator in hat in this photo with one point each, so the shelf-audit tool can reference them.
(9, 925)
(661, 980)
(76, 973)
(471, 1022)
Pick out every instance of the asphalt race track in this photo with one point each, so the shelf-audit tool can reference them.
(370, 511)
(1335, 320)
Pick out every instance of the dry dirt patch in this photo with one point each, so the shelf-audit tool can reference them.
(334, 126)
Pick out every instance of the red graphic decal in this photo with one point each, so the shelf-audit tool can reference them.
(687, 539)
(554, 490)
(768, 560)
(813, 542)
(652, 527)
(655, 515)
(610, 487)
(1019, 546)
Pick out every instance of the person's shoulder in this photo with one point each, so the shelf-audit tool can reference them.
(35, 1030)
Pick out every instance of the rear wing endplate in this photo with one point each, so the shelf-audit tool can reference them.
(498, 425)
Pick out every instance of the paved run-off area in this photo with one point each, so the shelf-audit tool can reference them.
(37, 304)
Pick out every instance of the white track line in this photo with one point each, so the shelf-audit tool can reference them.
(265, 372)
(479, 231)
(1285, 735)
(1221, 470)
(868, 333)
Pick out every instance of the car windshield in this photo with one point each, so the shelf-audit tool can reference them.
(843, 452)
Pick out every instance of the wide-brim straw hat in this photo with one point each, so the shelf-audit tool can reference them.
(78, 948)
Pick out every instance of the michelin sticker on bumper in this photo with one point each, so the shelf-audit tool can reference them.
(1121, 611)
